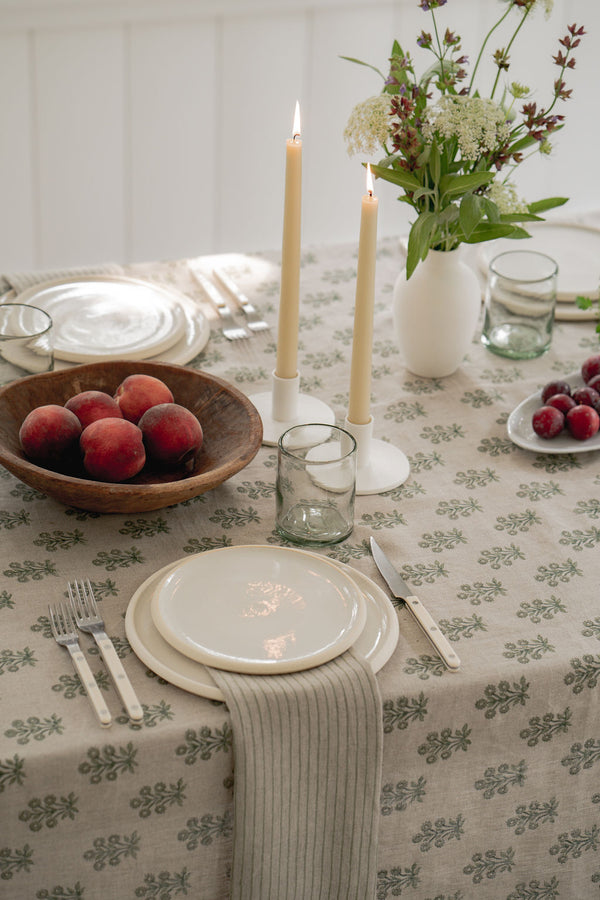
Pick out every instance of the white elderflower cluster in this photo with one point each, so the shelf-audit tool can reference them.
(368, 125)
(479, 124)
(548, 6)
(506, 198)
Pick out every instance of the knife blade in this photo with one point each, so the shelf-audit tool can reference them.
(400, 590)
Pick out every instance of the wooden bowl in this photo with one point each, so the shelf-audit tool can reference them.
(231, 425)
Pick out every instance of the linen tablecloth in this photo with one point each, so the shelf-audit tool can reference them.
(491, 776)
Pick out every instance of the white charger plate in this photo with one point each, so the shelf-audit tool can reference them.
(105, 317)
(258, 609)
(521, 433)
(575, 247)
(376, 642)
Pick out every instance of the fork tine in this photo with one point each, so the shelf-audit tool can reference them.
(89, 600)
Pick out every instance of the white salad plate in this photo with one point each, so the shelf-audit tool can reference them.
(575, 247)
(104, 317)
(376, 642)
(258, 609)
(521, 433)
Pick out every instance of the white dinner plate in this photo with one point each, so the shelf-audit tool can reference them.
(570, 312)
(521, 433)
(104, 317)
(258, 609)
(575, 247)
(376, 642)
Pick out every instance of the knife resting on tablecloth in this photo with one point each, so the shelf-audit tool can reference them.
(399, 590)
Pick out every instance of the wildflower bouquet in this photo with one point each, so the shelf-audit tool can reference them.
(445, 145)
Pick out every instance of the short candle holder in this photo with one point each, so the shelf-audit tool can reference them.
(380, 466)
(284, 406)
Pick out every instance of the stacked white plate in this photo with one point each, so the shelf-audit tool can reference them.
(256, 609)
(98, 318)
(576, 249)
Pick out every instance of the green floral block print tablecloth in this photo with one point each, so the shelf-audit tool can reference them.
(491, 776)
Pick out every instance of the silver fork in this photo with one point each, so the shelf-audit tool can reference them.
(253, 320)
(65, 634)
(89, 619)
(230, 328)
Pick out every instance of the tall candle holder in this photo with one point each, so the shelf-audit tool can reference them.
(380, 466)
(284, 406)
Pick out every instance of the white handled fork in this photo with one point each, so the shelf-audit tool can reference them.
(89, 619)
(63, 629)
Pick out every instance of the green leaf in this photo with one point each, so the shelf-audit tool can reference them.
(396, 176)
(507, 218)
(490, 209)
(359, 62)
(455, 185)
(470, 213)
(584, 302)
(549, 203)
(435, 165)
(488, 232)
(418, 240)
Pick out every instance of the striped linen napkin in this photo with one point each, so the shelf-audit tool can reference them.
(307, 758)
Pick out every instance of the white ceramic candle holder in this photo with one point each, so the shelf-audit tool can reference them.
(284, 406)
(380, 466)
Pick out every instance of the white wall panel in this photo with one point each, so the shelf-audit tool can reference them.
(336, 181)
(173, 144)
(18, 216)
(263, 76)
(80, 145)
(141, 129)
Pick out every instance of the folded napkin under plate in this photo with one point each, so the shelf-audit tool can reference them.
(307, 744)
(307, 759)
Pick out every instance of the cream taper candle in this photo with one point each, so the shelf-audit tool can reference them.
(289, 298)
(359, 404)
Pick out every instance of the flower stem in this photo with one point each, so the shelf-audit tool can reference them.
(487, 37)
(510, 43)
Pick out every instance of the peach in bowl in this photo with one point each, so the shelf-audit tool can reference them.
(228, 437)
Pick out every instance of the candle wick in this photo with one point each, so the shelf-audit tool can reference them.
(296, 137)
(371, 194)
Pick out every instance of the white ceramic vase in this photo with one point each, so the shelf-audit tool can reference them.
(435, 313)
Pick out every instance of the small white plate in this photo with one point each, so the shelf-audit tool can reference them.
(521, 433)
(258, 609)
(575, 247)
(376, 642)
(104, 317)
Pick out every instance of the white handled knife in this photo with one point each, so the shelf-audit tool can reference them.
(399, 590)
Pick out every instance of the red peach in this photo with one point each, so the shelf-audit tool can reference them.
(113, 449)
(590, 367)
(89, 406)
(139, 392)
(49, 433)
(172, 434)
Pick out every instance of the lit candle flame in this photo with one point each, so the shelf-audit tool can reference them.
(296, 126)
(369, 181)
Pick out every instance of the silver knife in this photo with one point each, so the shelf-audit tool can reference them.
(399, 590)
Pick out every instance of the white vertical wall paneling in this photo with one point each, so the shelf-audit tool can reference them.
(80, 90)
(17, 221)
(262, 71)
(157, 128)
(174, 142)
(336, 181)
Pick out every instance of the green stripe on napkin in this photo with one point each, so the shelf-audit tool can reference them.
(307, 759)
